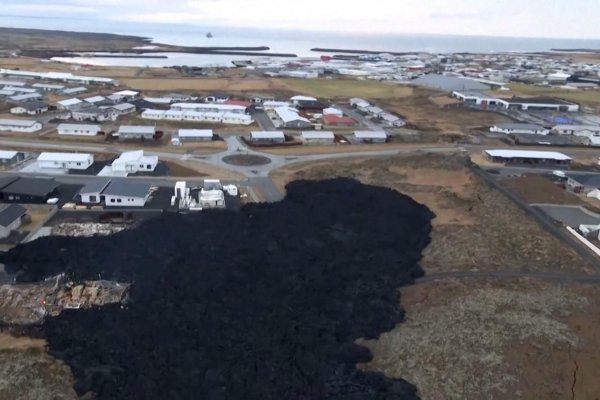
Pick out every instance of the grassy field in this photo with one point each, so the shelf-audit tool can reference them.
(586, 97)
(203, 84)
(331, 88)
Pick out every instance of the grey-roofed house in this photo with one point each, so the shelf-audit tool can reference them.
(10, 219)
(29, 190)
(123, 193)
(11, 157)
(583, 183)
(449, 83)
(92, 192)
(30, 108)
(136, 132)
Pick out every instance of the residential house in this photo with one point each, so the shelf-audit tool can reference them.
(267, 137)
(134, 161)
(122, 193)
(127, 132)
(76, 161)
(11, 157)
(29, 190)
(20, 125)
(519, 128)
(30, 108)
(370, 136)
(11, 217)
(318, 137)
(78, 129)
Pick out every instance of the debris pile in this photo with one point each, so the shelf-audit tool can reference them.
(27, 304)
(86, 229)
(264, 303)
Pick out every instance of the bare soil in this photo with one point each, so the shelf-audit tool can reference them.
(517, 339)
(423, 114)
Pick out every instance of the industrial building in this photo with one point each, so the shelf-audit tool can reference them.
(528, 157)
(267, 137)
(20, 125)
(122, 193)
(518, 128)
(11, 217)
(78, 129)
(77, 161)
(29, 190)
(136, 132)
(317, 136)
(370, 136)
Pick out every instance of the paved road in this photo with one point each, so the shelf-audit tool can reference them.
(263, 120)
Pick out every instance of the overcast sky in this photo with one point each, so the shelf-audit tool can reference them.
(529, 18)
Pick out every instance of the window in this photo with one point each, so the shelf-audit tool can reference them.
(148, 166)
(118, 200)
(112, 200)
(93, 199)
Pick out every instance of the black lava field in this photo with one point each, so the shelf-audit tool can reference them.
(263, 303)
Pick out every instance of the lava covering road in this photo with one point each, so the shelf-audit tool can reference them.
(263, 303)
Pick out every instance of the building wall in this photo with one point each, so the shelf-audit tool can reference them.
(8, 197)
(124, 201)
(66, 164)
(34, 128)
(91, 198)
(77, 132)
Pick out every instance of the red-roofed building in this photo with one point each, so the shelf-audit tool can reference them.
(242, 103)
(336, 120)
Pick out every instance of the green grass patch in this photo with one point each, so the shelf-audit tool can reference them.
(330, 88)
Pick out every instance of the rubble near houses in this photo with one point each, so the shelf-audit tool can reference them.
(27, 304)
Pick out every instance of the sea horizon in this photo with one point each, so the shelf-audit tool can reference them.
(286, 41)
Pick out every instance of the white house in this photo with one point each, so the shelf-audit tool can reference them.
(236, 119)
(123, 108)
(11, 157)
(577, 130)
(359, 103)
(538, 103)
(477, 98)
(153, 114)
(123, 193)
(78, 129)
(273, 104)
(79, 161)
(92, 192)
(267, 137)
(289, 118)
(299, 98)
(134, 161)
(19, 125)
(136, 132)
(11, 217)
(195, 135)
(317, 136)
(127, 95)
(370, 136)
(95, 99)
(391, 120)
(513, 128)
(30, 108)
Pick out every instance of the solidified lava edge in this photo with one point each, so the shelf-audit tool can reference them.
(263, 303)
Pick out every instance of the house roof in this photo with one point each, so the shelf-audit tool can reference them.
(74, 157)
(370, 135)
(123, 187)
(17, 122)
(192, 133)
(537, 100)
(68, 102)
(140, 129)
(11, 213)
(123, 106)
(95, 186)
(33, 105)
(287, 114)
(318, 135)
(31, 186)
(7, 154)
(586, 179)
(540, 155)
(79, 127)
(94, 99)
(129, 156)
(6, 180)
(126, 93)
(267, 135)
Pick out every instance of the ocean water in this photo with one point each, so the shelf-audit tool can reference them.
(282, 41)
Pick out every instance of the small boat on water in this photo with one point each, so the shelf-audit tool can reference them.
(209, 35)
(242, 63)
